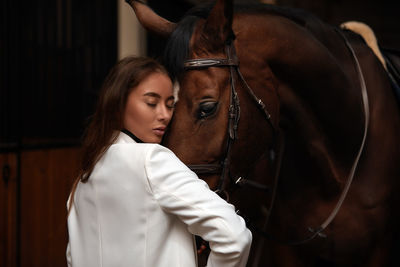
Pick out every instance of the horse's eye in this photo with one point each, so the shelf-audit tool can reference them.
(206, 109)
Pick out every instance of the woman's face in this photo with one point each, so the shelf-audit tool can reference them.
(149, 108)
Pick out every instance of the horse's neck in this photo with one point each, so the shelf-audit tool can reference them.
(320, 104)
(308, 149)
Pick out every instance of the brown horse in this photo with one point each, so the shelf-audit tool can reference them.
(295, 123)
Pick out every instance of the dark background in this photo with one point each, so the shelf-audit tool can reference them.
(382, 16)
(54, 55)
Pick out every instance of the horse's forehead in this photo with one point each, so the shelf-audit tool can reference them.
(196, 84)
(199, 49)
(202, 45)
(210, 77)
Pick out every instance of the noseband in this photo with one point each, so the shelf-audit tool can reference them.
(233, 118)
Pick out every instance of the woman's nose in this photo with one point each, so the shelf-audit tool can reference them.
(164, 113)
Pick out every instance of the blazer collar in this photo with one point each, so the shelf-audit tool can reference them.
(131, 135)
(123, 138)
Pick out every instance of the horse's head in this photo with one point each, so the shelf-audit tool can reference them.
(202, 129)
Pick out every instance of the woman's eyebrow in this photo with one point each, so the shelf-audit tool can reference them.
(152, 94)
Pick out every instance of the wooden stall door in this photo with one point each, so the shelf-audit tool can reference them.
(46, 180)
(8, 210)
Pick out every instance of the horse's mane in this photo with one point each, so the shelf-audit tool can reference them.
(177, 48)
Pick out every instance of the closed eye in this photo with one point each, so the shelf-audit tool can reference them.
(170, 104)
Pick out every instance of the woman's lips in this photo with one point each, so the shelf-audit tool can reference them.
(159, 131)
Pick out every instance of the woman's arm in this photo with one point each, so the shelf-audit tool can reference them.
(179, 191)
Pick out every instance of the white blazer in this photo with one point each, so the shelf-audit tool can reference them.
(142, 206)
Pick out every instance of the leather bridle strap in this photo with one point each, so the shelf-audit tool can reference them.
(364, 96)
(258, 101)
(365, 102)
(206, 168)
(199, 63)
(234, 113)
(233, 116)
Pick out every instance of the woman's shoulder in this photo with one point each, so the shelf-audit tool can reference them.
(126, 149)
(131, 148)
(144, 149)
(125, 143)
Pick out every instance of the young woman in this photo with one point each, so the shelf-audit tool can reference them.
(135, 203)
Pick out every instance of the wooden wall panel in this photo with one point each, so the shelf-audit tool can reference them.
(8, 210)
(46, 179)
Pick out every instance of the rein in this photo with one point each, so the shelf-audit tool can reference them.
(234, 114)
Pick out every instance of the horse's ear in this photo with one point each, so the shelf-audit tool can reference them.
(150, 20)
(218, 26)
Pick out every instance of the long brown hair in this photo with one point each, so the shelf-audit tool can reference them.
(108, 117)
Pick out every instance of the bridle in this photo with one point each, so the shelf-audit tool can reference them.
(234, 114)
(233, 118)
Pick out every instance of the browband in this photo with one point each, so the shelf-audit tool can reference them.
(209, 62)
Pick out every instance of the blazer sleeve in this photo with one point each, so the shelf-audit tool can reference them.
(68, 251)
(179, 191)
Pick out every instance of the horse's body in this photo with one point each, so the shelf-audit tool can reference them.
(305, 74)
